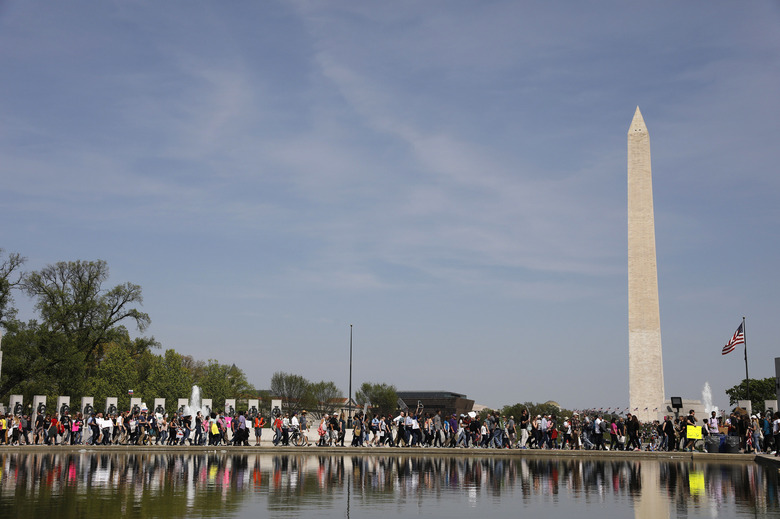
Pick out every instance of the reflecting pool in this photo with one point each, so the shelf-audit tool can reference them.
(227, 484)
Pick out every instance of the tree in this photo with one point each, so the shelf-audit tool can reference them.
(24, 349)
(760, 390)
(37, 359)
(294, 390)
(79, 320)
(72, 301)
(167, 378)
(220, 382)
(10, 278)
(382, 398)
(327, 397)
(535, 409)
(115, 375)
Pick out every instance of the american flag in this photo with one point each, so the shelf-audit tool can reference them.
(739, 338)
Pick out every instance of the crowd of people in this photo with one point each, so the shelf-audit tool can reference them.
(756, 433)
(414, 429)
(586, 432)
(138, 427)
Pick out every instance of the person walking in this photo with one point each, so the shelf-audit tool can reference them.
(614, 436)
(258, 427)
(437, 429)
(690, 421)
(277, 430)
(400, 422)
(525, 428)
(633, 427)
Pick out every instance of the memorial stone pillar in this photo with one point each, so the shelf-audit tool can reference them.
(276, 408)
(39, 404)
(87, 405)
(63, 405)
(16, 405)
(112, 405)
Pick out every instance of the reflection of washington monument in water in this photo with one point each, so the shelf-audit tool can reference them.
(652, 502)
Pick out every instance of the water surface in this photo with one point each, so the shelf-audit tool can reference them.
(228, 484)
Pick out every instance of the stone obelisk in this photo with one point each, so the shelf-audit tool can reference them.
(645, 363)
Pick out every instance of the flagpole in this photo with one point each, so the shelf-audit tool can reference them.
(349, 419)
(747, 379)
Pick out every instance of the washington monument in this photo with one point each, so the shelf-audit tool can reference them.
(645, 363)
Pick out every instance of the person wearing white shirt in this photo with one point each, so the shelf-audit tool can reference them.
(408, 429)
(712, 424)
(286, 429)
(295, 425)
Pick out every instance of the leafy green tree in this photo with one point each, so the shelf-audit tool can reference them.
(80, 345)
(167, 378)
(30, 365)
(29, 368)
(114, 376)
(382, 398)
(72, 301)
(760, 389)
(79, 319)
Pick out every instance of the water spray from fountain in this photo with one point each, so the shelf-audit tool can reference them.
(195, 405)
(706, 399)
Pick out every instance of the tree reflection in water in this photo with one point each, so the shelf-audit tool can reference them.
(222, 484)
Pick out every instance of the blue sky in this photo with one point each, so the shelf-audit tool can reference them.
(448, 177)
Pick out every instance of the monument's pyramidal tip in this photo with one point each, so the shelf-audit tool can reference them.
(637, 123)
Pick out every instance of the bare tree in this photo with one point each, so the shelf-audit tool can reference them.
(11, 277)
(294, 390)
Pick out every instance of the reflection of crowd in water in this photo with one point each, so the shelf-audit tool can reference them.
(388, 477)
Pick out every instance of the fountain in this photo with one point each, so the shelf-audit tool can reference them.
(194, 405)
(706, 399)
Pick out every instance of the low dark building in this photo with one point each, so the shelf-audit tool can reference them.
(432, 401)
